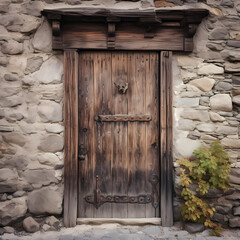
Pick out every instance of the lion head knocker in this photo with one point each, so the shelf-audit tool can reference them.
(122, 86)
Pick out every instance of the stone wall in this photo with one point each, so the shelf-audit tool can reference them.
(206, 102)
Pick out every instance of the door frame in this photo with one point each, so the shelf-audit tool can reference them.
(153, 29)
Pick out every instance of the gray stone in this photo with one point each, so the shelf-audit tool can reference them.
(194, 227)
(8, 187)
(209, 69)
(12, 210)
(54, 128)
(231, 143)
(43, 177)
(45, 201)
(11, 101)
(194, 135)
(206, 127)
(20, 162)
(186, 125)
(232, 67)
(9, 229)
(33, 64)
(224, 209)
(227, 130)
(30, 24)
(14, 138)
(236, 211)
(204, 84)
(222, 102)
(74, 2)
(3, 61)
(45, 227)
(227, 3)
(51, 143)
(215, 47)
(42, 40)
(4, 197)
(34, 8)
(223, 219)
(231, 55)
(233, 43)
(6, 128)
(7, 174)
(215, 117)
(218, 34)
(234, 222)
(13, 22)
(187, 102)
(11, 77)
(153, 231)
(50, 111)
(18, 194)
(12, 117)
(12, 47)
(51, 71)
(30, 225)
(52, 221)
(236, 100)
(10, 197)
(223, 86)
(200, 115)
(204, 101)
(47, 158)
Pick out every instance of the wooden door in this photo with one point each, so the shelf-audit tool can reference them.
(118, 134)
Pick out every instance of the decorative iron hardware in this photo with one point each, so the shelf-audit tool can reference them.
(97, 199)
(154, 180)
(82, 152)
(124, 118)
(122, 86)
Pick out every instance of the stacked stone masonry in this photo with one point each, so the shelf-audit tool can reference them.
(206, 103)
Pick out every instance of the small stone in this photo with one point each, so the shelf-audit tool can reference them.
(234, 222)
(204, 84)
(12, 47)
(186, 61)
(204, 101)
(187, 102)
(209, 69)
(224, 209)
(6, 129)
(231, 55)
(3, 61)
(11, 77)
(18, 194)
(223, 86)
(194, 135)
(186, 75)
(34, 8)
(30, 225)
(20, 162)
(227, 130)
(51, 143)
(231, 143)
(14, 138)
(52, 221)
(74, 2)
(8, 229)
(206, 127)
(186, 125)
(235, 196)
(218, 34)
(50, 111)
(227, 3)
(220, 218)
(199, 115)
(33, 64)
(42, 40)
(10, 197)
(4, 197)
(215, 47)
(51, 71)
(236, 100)
(13, 22)
(194, 227)
(45, 201)
(233, 43)
(43, 177)
(45, 227)
(11, 101)
(12, 210)
(215, 117)
(54, 128)
(236, 211)
(222, 102)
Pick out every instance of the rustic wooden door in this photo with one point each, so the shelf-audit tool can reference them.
(118, 134)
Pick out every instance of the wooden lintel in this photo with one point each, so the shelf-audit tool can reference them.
(56, 29)
(111, 36)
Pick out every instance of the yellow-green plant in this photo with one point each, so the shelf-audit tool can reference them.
(208, 169)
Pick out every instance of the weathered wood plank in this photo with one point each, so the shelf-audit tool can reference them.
(119, 134)
(71, 137)
(166, 138)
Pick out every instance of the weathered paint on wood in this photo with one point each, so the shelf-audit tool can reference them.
(119, 150)
(166, 138)
(71, 137)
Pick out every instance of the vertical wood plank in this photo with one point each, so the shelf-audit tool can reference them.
(70, 137)
(119, 133)
(166, 138)
(86, 132)
(152, 128)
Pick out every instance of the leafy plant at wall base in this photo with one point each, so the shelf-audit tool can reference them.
(208, 169)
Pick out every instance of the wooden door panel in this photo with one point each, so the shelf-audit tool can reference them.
(124, 155)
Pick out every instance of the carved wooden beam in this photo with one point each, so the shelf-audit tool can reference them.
(111, 36)
(56, 28)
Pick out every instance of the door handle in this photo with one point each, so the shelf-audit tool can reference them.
(82, 152)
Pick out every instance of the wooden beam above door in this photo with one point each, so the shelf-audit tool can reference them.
(95, 28)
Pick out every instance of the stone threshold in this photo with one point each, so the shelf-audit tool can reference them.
(123, 221)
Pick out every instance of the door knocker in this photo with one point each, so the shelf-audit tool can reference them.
(122, 86)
